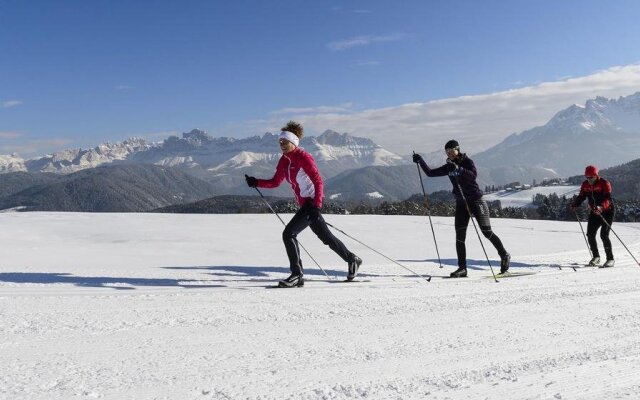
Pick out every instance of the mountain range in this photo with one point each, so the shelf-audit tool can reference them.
(604, 132)
(197, 150)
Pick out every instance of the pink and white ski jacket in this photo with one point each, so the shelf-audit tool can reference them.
(299, 169)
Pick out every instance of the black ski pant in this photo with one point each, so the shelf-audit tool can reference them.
(594, 223)
(480, 210)
(300, 222)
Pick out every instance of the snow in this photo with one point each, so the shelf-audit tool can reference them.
(160, 306)
(524, 198)
(246, 159)
(11, 163)
(175, 161)
(13, 209)
(335, 196)
(587, 125)
(374, 195)
(364, 155)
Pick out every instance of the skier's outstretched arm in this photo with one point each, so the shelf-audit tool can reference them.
(278, 177)
(440, 171)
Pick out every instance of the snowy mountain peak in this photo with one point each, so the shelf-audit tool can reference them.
(268, 136)
(598, 102)
(193, 138)
(604, 132)
(12, 163)
(197, 136)
(72, 160)
(333, 138)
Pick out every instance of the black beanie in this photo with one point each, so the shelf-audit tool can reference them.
(451, 144)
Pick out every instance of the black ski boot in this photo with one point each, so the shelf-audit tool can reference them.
(354, 265)
(595, 261)
(459, 273)
(293, 280)
(504, 263)
(608, 264)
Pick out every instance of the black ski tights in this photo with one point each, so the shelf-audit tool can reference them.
(300, 222)
(480, 210)
(593, 224)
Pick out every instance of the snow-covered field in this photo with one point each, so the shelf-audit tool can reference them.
(524, 198)
(156, 306)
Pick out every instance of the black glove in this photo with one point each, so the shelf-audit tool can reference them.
(417, 158)
(251, 181)
(454, 169)
(314, 213)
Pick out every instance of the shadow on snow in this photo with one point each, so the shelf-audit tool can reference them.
(261, 271)
(474, 264)
(96, 281)
(243, 273)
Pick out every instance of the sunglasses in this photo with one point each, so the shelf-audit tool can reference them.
(591, 178)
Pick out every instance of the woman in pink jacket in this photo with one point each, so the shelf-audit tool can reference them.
(299, 169)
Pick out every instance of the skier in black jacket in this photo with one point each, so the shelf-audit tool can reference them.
(462, 174)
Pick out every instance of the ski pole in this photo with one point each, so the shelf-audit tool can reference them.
(585, 236)
(300, 244)
(474, 226)
(427, 277)
(426, 200)
(614, 232)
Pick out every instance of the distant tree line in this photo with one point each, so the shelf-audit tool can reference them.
(442, 204)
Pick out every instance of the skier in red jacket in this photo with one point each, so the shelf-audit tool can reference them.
(299, 169)
(597, 191)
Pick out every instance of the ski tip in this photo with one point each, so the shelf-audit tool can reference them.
(510, 274)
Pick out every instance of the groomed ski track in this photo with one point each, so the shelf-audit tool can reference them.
(124, 306)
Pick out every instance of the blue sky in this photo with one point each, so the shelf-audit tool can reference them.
(77, 73)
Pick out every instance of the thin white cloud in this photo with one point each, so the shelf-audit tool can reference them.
(11, 103)
(313, 110)
(478, 121)
(10, 135)
(365, 40)
(36, 147)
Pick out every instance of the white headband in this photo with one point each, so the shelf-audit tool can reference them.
(290, 137)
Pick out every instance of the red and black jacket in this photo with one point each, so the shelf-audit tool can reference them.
(597, 195)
